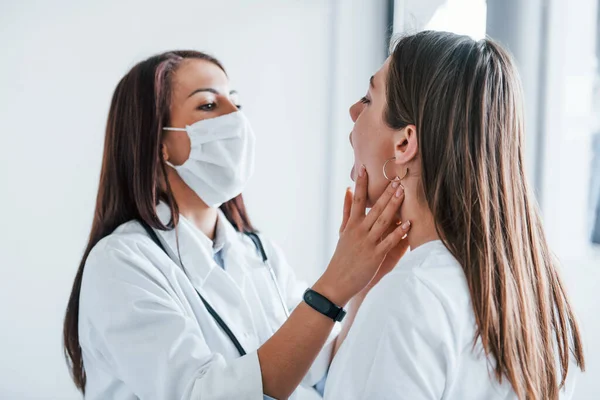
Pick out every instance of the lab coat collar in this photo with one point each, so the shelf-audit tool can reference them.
(196, 249)
(224, 233)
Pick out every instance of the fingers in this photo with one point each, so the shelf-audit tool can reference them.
(359, 203)
(381, 204)
(394, 238)
(347, 209)
(388, 215)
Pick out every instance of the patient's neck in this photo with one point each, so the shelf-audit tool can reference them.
(422, 231)
(415, 209)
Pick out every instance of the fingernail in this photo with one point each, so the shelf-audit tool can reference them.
(362, 170)
(400, 191)
(406, 225)
(394, 184)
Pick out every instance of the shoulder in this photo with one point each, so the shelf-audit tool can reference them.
(431, 271)
(406, 335)
(405, 302)
(128, 261)
(128, 242)
(126, 275)
(428, 289)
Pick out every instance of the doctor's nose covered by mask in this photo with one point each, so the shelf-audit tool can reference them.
(177, 294)
(221, 158)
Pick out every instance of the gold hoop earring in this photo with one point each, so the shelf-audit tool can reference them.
(397, 178)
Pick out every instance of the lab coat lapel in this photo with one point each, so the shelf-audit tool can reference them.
(210, 280)
(245, 265)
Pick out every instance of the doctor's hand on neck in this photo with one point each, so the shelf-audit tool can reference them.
(365, 241)
(393, 256)
(357, 259)
(389, 262)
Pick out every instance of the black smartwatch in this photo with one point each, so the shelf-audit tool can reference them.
(323, 305)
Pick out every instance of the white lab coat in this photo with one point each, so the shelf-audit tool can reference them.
(145, 333)
(412, 339)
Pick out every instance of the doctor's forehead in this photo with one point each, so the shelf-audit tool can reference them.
(196, 75)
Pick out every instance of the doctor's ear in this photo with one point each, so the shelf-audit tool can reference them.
(406, 146)
(164, 152)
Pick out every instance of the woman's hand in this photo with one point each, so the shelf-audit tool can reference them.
(393, 256)
(288, 354)
(365, 241)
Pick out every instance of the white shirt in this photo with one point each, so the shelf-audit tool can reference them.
(413, 338)
(145, 333)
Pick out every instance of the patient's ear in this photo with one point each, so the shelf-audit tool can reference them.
(406, 146)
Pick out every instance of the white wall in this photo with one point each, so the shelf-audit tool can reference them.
(360, 29)
(61, 61)
(567, 153)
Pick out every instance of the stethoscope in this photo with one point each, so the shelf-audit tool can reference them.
(260, 248)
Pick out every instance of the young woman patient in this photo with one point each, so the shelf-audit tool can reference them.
(477, 309)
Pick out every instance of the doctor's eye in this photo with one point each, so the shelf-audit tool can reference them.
(207, 107)
(365, 100)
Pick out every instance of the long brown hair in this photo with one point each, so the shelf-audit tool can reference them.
(132, 170)
(465, 99)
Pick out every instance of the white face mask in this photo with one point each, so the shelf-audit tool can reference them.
(221, 158)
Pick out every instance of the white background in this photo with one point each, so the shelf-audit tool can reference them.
(572, 66)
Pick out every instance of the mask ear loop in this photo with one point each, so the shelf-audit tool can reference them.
(176, 130)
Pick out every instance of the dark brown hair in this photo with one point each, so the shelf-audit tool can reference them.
(465, 99)
(132, 170)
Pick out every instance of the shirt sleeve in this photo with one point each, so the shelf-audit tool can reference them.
(133, 322)
(294, 290)
(398, 347)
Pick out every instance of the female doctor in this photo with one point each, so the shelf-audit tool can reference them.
(176, 296)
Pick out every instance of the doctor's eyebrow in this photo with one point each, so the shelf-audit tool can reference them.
(210, 90)
(372, 82)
